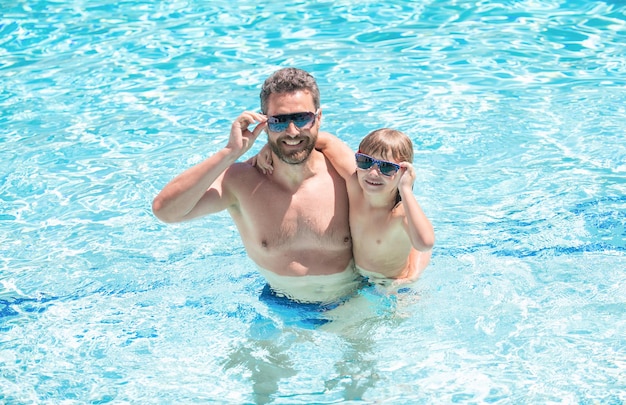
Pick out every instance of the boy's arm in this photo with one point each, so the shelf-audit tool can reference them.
(338, 152)
(418, 227)
(199, 190)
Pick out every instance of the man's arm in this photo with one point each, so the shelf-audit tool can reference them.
(338, 152)
(199, 190)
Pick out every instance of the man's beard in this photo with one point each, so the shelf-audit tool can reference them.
(295, 157)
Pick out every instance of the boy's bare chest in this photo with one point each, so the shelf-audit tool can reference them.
(375, 232)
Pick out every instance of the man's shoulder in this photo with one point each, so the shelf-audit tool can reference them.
(240, 178)
(240, 167)
(242, 172)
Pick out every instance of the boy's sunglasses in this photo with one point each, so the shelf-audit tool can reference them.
(280, 123)
(365, 162)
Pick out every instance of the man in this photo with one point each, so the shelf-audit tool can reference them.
(293, 223)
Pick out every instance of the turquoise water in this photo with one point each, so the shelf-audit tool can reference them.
(516, 109)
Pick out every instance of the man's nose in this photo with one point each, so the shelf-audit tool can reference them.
(292, 129)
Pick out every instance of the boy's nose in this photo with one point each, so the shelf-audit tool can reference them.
(375, 168)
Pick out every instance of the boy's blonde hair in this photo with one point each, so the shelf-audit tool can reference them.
(389, 144)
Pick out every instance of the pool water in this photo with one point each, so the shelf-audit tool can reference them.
(517, 113)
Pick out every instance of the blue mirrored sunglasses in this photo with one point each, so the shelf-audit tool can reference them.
(280, 123)
(365, 162)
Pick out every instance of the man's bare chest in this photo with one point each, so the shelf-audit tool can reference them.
(299, 217)
(310, 217)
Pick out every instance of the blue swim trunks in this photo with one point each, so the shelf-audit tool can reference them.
(294, 313)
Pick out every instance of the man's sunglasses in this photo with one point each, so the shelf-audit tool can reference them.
(280, 123)
(365, 162)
